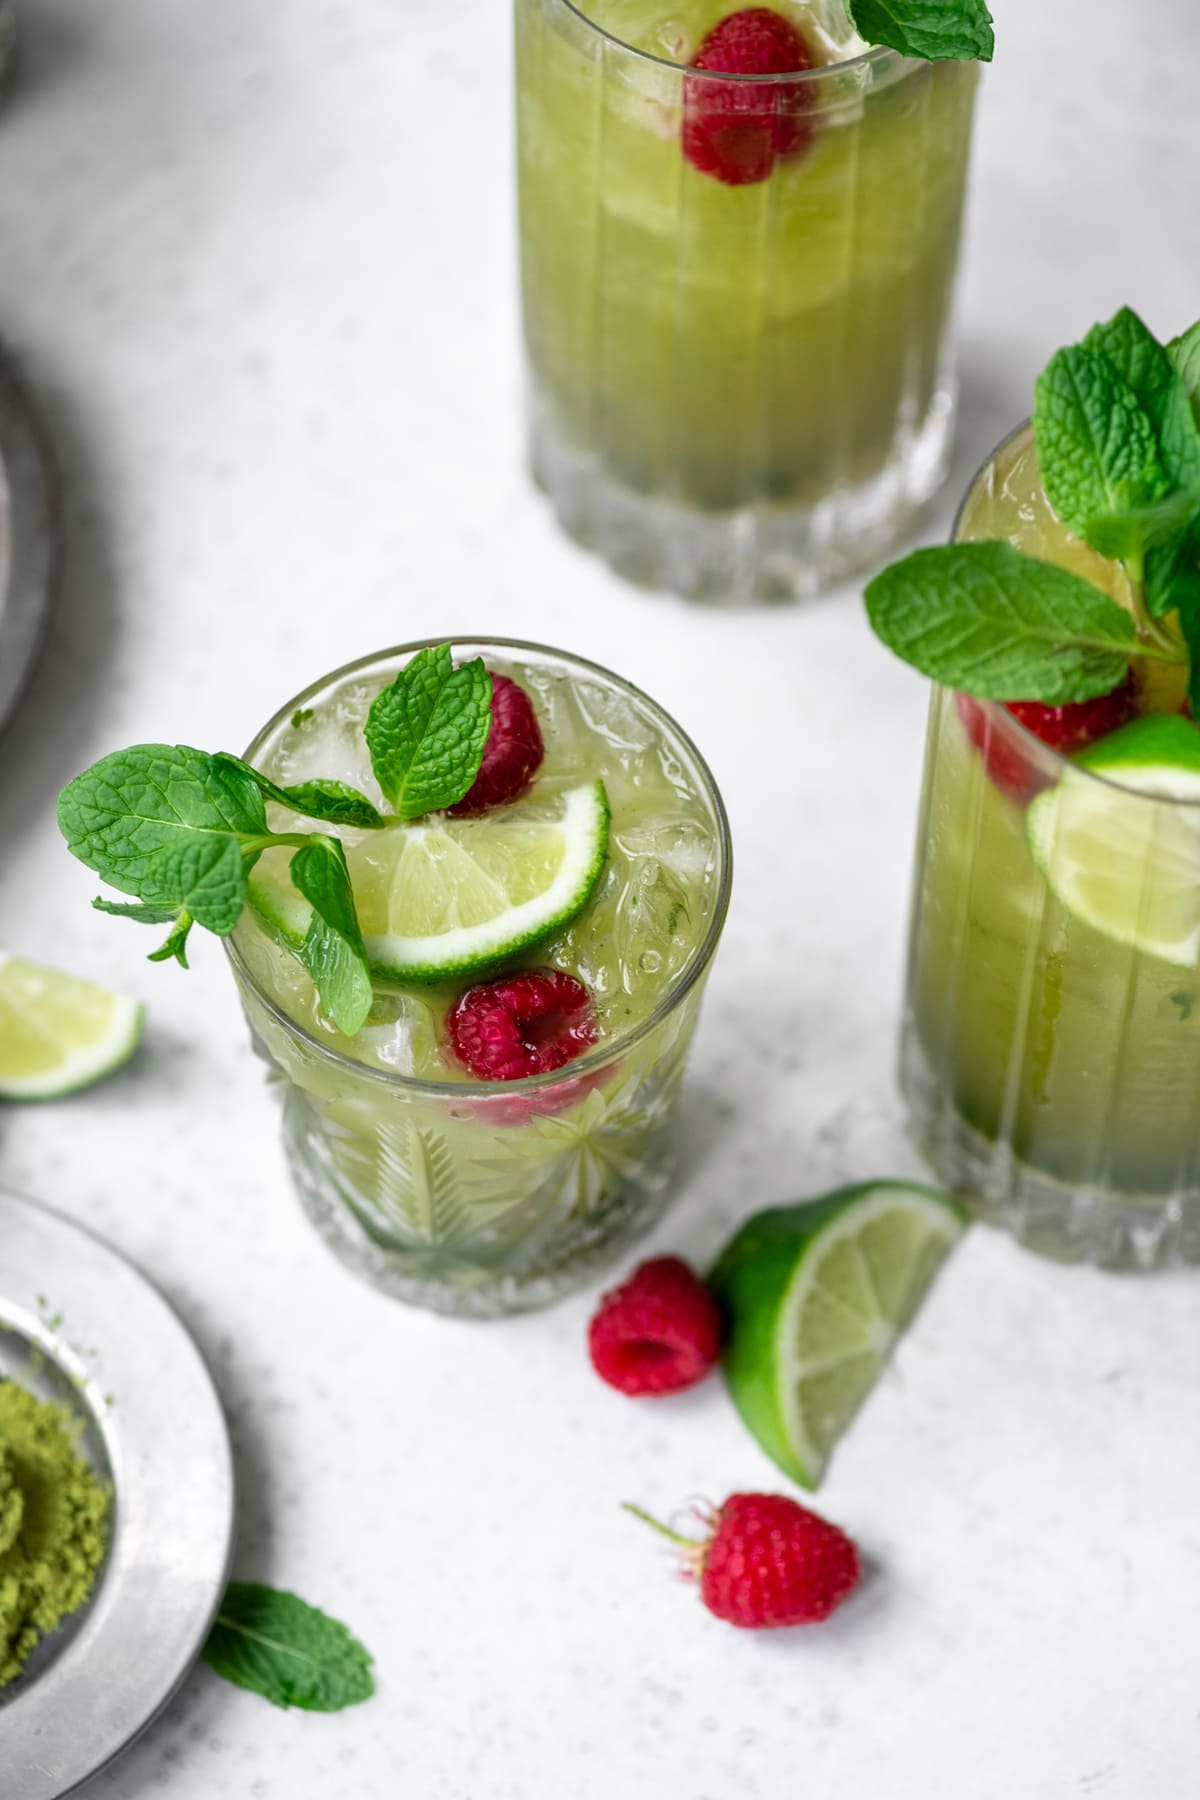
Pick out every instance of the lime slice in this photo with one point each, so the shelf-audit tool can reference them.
(1118, 861)
(456, 896)
(814, 1298)
(57, 1033)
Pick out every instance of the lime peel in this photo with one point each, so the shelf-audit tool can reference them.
(575, 844)
(59, 1033)
(815, 1297)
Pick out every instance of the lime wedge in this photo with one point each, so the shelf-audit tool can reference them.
(457, 896)
(1118, 861)
(57, 1033)
(814, 1298)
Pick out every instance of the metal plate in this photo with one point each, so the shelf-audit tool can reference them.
(28, 537)
(80, 1324)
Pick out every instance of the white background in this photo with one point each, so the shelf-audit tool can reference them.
(258, 260)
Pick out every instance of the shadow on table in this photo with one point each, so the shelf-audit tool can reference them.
(47, 740)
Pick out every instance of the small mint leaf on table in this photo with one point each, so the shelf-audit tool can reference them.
(1096, 449)
(1001, 625)
(272, 1643)
(333, 951)
(426, 731)
(935, 30)
(331, 802)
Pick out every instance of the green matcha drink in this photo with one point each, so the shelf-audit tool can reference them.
(736, 291)
(1051, 1043)
(499, 1125)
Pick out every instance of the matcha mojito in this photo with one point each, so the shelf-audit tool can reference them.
(739, 232)
(480, 890)
(1051, 1044)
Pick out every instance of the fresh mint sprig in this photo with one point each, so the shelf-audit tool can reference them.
(935, 30)
(180, 830)
(1117, 433)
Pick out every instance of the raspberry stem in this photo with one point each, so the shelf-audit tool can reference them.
(676, 1537)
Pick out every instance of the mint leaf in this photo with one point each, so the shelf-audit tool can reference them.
(1096, 449)
(154, 915)
(1173, 574)
(137, 909)
(1001, 625)
(333, 951)
(937, 30)
(176, 944)
(332, 802)
(1184, 352)
(427, 730)
(166, 823)
(274, 1644)
(1152, 377)
(1129, 535)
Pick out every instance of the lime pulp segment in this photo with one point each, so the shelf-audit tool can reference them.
(815, 1297)
(58, 1033)
(456, 896)
(1123, 854)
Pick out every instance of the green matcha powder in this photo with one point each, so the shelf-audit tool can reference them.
(53, 1523)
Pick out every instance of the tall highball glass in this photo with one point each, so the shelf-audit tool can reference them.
(1051, 1068)
(737, 388)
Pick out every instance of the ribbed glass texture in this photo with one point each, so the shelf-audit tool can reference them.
(1050, 1069)
(736, 391)
(474, 1197)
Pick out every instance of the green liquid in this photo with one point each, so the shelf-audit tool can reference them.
(1079, 1053)
(724, 345)
(467, 1195)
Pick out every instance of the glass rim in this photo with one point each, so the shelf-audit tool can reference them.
(874, 54)
(604, 1054)
(1029, 739)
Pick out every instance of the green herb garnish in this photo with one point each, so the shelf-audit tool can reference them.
(180, 830)
(1118, 449)
(426, 732)
(291, 1653)
(935, 30)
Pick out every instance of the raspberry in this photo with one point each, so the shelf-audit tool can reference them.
(1067, 729)
(737, 130)
(526, 1024)
(658, 1333)
(513, 753)
(767, 1561)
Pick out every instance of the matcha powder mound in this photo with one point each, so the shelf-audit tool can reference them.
(53, 1523)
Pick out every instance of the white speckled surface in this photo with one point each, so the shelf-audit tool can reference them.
(258, 260)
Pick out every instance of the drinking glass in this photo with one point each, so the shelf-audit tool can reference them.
(736, 391)
(486, 1197)
(1050, 1070)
